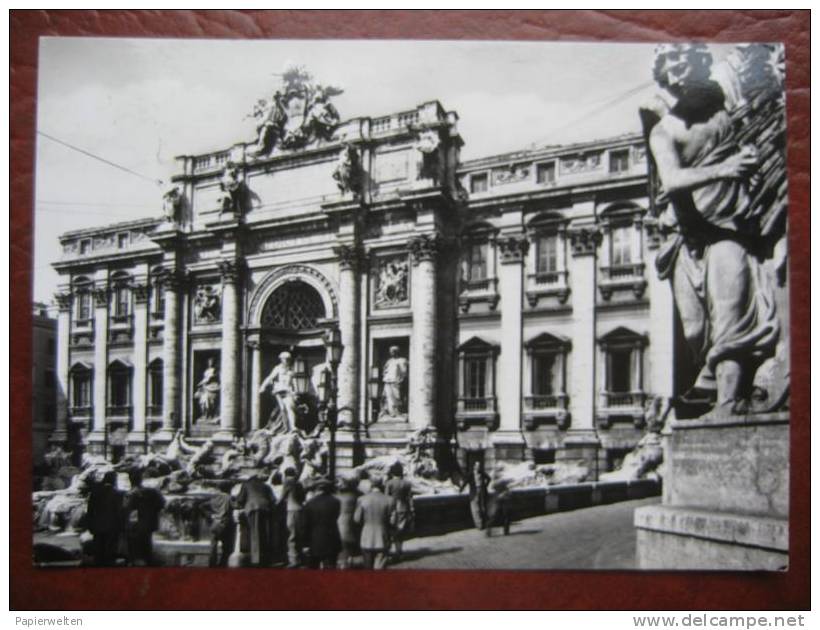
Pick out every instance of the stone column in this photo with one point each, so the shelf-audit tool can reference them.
(422, 390)
(256, 380)
(581, 441)
(172, 285)
(100, 359)
(64, 302)
(230, 370)
(512, 249)
(139, 390)
(348, 374)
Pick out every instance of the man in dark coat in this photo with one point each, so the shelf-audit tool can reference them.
(319, 519)
(401, 491)
(142, 507)
(104, 519)
(256, 501)
(373, 512)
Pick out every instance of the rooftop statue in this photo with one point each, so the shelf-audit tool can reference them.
(717, 141)
(298, 113)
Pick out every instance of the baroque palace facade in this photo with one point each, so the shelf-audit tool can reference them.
(519, 288)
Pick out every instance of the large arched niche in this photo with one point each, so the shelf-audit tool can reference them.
(287, 275)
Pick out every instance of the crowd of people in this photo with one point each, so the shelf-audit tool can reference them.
(317, 523)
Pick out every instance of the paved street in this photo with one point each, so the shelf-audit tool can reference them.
(601, 537)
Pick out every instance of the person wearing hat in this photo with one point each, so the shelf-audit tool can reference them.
(256, 500)
(280, 381)
(319, 519)
(373, 512)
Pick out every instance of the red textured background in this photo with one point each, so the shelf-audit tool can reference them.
(270, 589)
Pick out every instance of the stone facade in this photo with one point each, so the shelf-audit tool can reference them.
(518, 287)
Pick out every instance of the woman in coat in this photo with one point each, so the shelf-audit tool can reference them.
(348, 495)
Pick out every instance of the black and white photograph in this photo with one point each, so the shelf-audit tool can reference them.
(400, 305)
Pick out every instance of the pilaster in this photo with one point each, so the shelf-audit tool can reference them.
(139, 389)
(581, 441)
(256, 380)
(64, 302)
(512, 248)
(100, 358)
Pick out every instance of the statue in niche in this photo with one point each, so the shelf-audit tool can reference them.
(207, 393)
(394, 393)
(206, 305)
(391, 285)
(231, 186)
(280, 381)
(348, 171)
(172, 205)
(427, 144)
(717, 141)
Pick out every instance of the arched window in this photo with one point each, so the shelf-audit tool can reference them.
(293, 306)
(157, 295)
(547, 262)
(155, 385)
(83, 313)
(622, 262)
(478, 261)
(82, 378)
(120, 297)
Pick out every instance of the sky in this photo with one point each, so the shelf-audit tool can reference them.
(140, 102)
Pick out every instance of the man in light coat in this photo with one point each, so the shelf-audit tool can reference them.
(373, 513)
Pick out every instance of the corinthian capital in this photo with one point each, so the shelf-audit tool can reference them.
(63, 300)
(350, 256)
(425, 247)
(230, 270)
(584, 240)
(513, 248)
(101, 296)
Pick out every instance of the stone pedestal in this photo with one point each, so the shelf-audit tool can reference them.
(725, 498)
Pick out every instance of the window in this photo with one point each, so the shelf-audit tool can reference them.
(619, 161)
(622, 355)
(547, 400)
(476, 267)
(122, 301)
(621, 253)
(52, 347)
(546, 253)
(293, 306)
(620, 361)
(123, 240)
(119, 389)
(83, 306)
(476, 399)
(543, 374)
(545, 173)
(478, 183)
(155, 384)
(81, 382)
(49, 379)
(85, 246)
(475, 377)
(157, 300)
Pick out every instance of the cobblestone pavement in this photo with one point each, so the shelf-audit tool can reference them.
(600, 537)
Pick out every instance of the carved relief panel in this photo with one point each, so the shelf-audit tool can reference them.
(391, 282)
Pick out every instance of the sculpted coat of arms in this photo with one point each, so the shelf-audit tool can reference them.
(299, 112)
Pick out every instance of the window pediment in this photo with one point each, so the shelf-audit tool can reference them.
(476, 345)
(547, 342)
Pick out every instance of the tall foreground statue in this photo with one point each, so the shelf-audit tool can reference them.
(717, 144)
